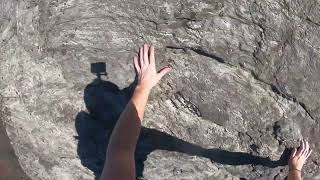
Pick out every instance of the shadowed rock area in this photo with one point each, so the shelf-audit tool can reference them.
(243, 91)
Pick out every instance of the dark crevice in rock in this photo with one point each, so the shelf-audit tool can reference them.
(254, 148)
(185, 103)
(303, 17)
(306, 109)
(210, 55)
(200, 52)
(251, 138)
(285, 95)
(177, 47)
(311, 21)
(273, 87)
(276, 129)
(315, 162)
(187, 18)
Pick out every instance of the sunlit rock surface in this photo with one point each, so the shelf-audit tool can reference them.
(244, 88)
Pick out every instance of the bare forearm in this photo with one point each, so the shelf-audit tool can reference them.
(294, 175)
(127, 129)
(120, 153)
(120, 162)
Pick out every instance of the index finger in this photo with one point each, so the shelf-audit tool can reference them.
(152, 58)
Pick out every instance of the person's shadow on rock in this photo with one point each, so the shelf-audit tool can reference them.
(105, 102)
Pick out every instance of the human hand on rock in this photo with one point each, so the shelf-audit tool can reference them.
(299, 156)
(145, 68)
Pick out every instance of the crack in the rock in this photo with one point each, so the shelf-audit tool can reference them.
(210, 55)
(276, 128)
(273, 87)
(302, 17)
(311, 21)
(315, 162)
(156, 24)
(187, 18)
(284, 95)
(186, 104)
(200, 52)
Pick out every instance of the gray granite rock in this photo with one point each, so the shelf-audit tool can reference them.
(244, 87)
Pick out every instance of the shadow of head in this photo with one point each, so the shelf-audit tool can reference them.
(103, 99)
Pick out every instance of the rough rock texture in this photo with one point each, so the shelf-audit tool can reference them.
(245, 86)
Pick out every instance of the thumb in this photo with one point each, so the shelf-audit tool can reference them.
(164, 71)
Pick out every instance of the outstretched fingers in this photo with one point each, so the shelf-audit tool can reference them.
(299, 155)
(145, 67)
(304, 150)
(308, 150)
(309, 153)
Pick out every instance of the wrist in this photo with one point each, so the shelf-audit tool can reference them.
(142, 89)
(295, 170)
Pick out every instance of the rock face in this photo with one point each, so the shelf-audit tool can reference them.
(244, 88)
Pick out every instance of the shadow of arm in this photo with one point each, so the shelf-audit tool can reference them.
(164, 141)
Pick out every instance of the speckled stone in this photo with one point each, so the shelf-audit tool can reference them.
(244, 87)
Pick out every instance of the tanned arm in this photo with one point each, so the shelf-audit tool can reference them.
(120, 163)
(297, 159)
